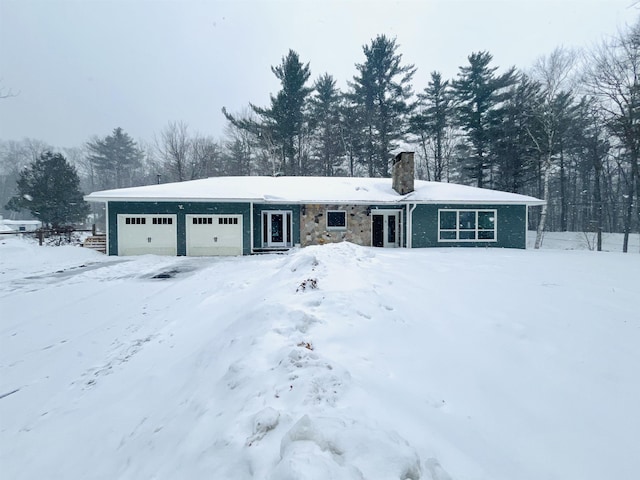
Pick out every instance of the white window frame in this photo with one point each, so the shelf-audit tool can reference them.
(387, 212)
(287, 218)
(457, 230)
(344, 212)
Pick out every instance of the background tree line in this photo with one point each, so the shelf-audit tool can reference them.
(567, 129)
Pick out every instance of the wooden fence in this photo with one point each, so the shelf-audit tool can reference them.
(96, 241)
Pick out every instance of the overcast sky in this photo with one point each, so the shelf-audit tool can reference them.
(82, 68)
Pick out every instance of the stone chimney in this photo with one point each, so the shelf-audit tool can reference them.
(402, 173)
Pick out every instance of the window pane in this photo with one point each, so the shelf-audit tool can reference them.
(467, 220)
(336, 219)
(391, 229)
(447, 220)
(467, 235)
(447, 235)
(288, 215)
(486, 220)
(486, 235)
(265, 228)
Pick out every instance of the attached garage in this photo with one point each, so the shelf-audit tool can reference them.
(213, 235)
(147, 234)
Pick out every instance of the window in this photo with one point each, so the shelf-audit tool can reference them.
(135, 220)
(162, 220)
(336, 220)
(227, 220)
(467, 225)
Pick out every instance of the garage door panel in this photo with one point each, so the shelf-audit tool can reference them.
(209, 235)
(147, 234)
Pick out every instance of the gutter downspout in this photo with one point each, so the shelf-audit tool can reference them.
(526, 226)
(251, 227)
(106, 217)
(410, 209)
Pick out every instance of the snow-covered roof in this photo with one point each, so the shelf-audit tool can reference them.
(351, 190)
(21, 222)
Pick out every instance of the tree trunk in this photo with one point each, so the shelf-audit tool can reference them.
(423, 144)
(543, 212)
(563, 193)
(627, 220)
(597, 198)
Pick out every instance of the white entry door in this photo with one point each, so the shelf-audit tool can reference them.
(385, 228)
(147, 234)
(276, 228)
(214, 235)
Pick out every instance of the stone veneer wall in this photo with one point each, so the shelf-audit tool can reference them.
(313, 225)
(403, 171)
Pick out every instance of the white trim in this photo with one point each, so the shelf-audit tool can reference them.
(410, 209)
(285, 229)
(106, 221)
(385, 212)
(475, 230)
(339, 228)
(270, 201)
(251, 227)
(526, 226)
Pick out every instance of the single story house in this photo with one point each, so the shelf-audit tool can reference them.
(245, 215)
(19, 225)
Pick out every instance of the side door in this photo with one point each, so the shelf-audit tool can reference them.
(385, 228)
(276, 228)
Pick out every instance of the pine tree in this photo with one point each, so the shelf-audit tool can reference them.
(513, 153)
(285, 119)
(430, 124)
(381, 90)
(115, 158)
(49, 189)
(324, 118)
(351, 133)
(479, 94)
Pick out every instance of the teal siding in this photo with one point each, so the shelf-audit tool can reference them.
(180, 209)
(258, 208)
(511, 229)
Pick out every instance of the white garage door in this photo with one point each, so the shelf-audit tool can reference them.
(214, 235)
(143, 234)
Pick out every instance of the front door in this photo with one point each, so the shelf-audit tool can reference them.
(385, 228)
(276, 229)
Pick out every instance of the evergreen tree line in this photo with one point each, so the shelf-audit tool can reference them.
(566, 130)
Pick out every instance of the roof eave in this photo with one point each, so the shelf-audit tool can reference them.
(104, 199)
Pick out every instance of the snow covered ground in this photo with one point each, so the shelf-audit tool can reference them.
(332, 362)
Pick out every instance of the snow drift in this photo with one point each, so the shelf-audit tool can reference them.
(332, 362)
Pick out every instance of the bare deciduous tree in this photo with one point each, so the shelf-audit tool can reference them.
(553, 72)
(187, 157)
(612, 76)
(173, 148)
